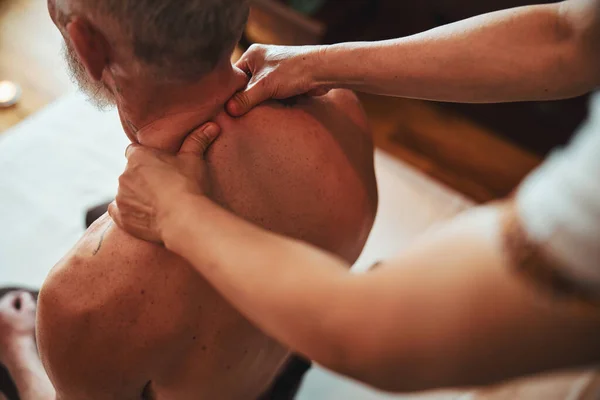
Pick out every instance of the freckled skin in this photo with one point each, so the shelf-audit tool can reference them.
(135, 313)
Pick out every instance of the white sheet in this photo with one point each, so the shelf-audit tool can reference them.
(60, 162)
(53, 166)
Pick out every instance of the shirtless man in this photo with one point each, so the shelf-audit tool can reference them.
(119, 318)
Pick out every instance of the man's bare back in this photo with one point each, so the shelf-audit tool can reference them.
(120, 318)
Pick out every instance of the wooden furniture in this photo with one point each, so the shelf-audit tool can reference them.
(30, 54)
(273, 22)
(448, 146)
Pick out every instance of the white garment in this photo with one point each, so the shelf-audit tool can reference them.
(559, 204)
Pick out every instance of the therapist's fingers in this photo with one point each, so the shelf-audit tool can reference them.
(262, 89)
(129, 150)
(138, 224)
(201, 139)
(244, 64)
(134, 149)
(113, 213)
(254, 62)
(257, 92)
(318, 92)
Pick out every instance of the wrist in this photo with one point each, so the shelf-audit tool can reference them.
(172, 223)
(168, 207)
(333, 66)
(320, 74)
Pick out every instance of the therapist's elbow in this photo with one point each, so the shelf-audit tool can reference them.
(358, 339)
(376, 365)
(342, 343)
(588, 58)
(358, 350)
(579, 30)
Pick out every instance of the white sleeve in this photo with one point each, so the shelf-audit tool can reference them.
(559, 205)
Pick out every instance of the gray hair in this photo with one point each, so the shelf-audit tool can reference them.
(177, 39)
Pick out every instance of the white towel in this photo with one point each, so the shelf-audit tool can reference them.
(559, 204)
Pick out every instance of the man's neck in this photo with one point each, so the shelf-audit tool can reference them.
(162, 115)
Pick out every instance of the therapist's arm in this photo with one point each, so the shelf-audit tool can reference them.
(529, 53)
(449, 311)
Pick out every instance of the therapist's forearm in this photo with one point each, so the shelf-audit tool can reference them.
(291, 294)
(527, 53)
(431, 318)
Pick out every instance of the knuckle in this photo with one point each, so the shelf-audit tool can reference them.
(119, 208)
(203, 140)
(260, 52)
(199, 139)
(133, 150)
(256, 48)
(242, 98)
(263, 84)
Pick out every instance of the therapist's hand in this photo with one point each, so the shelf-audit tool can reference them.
(277, 72)
(154, 181)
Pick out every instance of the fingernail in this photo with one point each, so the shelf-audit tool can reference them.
(232, 107)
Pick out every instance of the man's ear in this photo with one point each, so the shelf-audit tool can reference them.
(91, 46)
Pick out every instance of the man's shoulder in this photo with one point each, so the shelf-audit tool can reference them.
(110, 273)
(100, 315)
(350, 104)
(303, 158)
(308, 122)
(100, 265)
(339, 104)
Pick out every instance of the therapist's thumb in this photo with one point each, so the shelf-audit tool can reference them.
(200, 140)
(244, 101)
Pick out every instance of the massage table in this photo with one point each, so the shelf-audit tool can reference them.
(60, 162)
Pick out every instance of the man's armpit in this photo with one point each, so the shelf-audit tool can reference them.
(535, 264)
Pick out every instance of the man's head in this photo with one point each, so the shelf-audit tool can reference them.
(162, 40)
